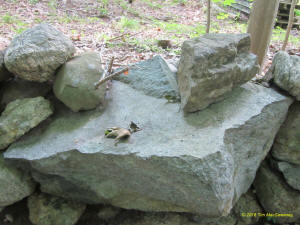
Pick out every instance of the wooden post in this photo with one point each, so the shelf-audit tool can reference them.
(208, 16)
(262, 20)
(290, 24)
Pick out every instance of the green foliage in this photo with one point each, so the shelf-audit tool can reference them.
(182, 2)
(153, 4)
(297, 12)
(225, 2)
(102, 9)
(222, 16)
(53, 4)
(33, 1)
(7, 18)
(128, 23)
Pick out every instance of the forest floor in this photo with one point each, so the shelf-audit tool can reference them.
(129, 32)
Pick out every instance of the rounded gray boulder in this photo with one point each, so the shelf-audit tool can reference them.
(35, 54)
(74, 83)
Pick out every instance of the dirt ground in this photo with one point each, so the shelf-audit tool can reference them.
(128, 31)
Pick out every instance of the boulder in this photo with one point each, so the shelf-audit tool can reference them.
(286, 72)
(20, 116)
(247, 204)
(19, 89)
(153, 77)
(14, 184)
(4, 74)
(212, 155)
(35, 54)
(245, 212)
(108, 213)
(213, 65)
(280, 201)
(75, 82)
(49, 210)
(291, 174)
(287, 142)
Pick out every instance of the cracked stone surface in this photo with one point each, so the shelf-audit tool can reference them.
(199, 163)
(212, 66)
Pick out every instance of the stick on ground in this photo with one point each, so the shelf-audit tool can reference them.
(110, 77)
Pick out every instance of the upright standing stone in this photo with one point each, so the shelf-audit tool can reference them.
(211, 66)
(35, 54)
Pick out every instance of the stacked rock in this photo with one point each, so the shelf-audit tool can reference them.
(202, 161)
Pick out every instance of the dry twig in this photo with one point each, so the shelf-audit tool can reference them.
(110, 77)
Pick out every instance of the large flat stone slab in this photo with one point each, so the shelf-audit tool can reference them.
(200, 163)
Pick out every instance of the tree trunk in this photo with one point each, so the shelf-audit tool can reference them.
(262, 20)
(290, 24)
(208, 16)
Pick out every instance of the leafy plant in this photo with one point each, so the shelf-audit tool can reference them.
(128, 23)
(225, 2)
(7, 18)
(222, 16)
(33, 1)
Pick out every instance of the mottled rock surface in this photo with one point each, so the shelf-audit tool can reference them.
(238, 216)
(287, 142)
(291, 174)
(153, 77)
(276, 196)
(200, 163)
(211, 66)
(19, 89)
(35, 54)
(49, 210)
(4, 74)
(14, 184)
(20, 116)
(286, 72)
(75, 82)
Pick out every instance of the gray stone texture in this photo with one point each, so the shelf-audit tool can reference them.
(276, 196)
(19, 89)
(153, 77)
(14, 184)
(20, 116)
(75, 82)
(287, 142)
(212, 66)
(246, 204)
(45, 209)
(35, 54)
(286, 72)
(201, 163)
(291, 174)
